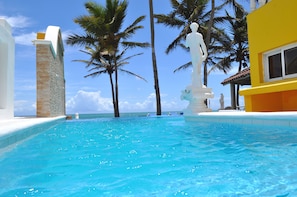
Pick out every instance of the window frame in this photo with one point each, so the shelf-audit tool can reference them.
(281, 51)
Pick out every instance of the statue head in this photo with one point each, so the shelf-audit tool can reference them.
(194, 27)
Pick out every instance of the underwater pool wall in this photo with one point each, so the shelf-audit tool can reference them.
(24, 129)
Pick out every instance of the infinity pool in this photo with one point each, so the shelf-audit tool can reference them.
(152, 156)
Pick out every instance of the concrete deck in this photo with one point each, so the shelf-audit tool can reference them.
(11, 125)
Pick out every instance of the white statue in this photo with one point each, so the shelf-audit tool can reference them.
(196, 93)
(194, 41)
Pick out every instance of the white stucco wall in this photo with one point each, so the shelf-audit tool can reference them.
(7, 56)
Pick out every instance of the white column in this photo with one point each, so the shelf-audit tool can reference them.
(6, 71)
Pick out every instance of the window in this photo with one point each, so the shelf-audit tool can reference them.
(281, 63)
(291, 61)
(275, 66)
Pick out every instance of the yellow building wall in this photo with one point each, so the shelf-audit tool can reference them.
(269, 27)
(40, 36)
(271, 102)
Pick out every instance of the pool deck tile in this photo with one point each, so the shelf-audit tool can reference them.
(8, 126)
(242, 117)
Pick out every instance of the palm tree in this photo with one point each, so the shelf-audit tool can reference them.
(183, 14)
(154, 61)
(103, 34)
(207, 39)
(210, 25)
(238, 44)
(104, 65)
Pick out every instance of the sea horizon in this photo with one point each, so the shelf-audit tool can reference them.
(111, 114)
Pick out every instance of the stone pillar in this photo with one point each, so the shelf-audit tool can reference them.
(50, 80)
(7, 56)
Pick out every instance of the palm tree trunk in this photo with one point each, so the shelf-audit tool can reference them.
(116, 109)
(113, 94)
(155, 69)
(238, 86)
(207, 39)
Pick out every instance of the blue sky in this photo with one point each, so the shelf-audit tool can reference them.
(93, 95)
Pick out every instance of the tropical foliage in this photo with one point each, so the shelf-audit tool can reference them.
(181, 17)
(184, 13)
(103, 36)
(238, 51)
(224, 47)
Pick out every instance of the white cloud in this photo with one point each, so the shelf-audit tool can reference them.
(93, 102)
(21, 22)
(88, 102)
(22, 84)
(17, 21)
(167, 104)
(65, 34)
(25, 39)
(24, 107)
(140, 106)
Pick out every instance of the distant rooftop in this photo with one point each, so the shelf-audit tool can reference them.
(242, 78)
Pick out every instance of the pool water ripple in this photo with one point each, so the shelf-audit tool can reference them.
(152, 157)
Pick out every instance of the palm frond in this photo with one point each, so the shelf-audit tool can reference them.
(169, 20)
(135, 24)
(183, 67)
(96, 74)
(135, 44)
(132, 74)
(80, 40)
(175, 43)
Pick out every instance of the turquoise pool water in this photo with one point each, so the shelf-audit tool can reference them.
(152, 156)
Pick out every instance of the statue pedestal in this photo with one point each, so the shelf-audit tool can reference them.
(196, 97)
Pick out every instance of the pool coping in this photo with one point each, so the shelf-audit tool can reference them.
(8, 126)
(241, 117)
(18, 129)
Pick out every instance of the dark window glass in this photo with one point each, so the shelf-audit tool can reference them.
(291, 61)
(275, 66)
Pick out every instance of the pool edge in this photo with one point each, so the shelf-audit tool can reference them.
(241, 117)
(16, 130)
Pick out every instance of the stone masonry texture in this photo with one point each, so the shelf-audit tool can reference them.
(50, 81)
